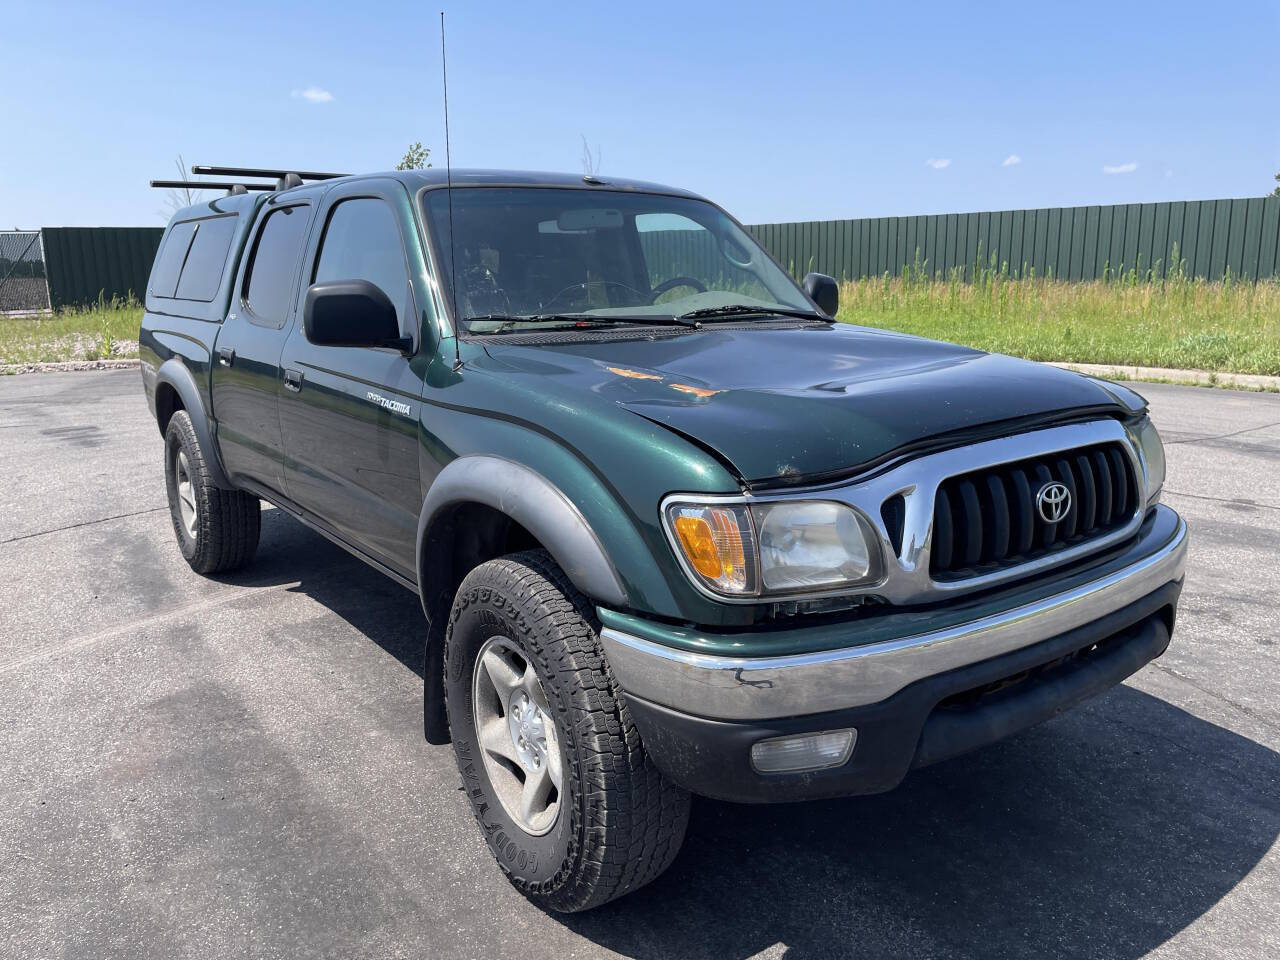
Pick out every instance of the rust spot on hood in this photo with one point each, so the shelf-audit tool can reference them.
(700, 392)
(633, 374)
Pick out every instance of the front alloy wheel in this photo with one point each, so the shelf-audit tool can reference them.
(518, 737)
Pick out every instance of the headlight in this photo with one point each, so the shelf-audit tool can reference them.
(775, 548)
(1147, 440)
(812, 545)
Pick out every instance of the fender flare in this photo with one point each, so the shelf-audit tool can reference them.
(536, 504)
(175, 373)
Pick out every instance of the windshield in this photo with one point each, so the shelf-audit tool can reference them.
(530, 255)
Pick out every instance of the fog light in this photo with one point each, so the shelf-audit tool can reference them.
(808, 751)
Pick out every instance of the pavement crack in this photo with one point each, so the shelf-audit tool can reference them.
(82, 523)
(1227, 500)
(141, 623)
(1249, 712)
(1246, 781)
(1223, 436)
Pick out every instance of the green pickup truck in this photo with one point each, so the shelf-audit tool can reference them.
(674, 529)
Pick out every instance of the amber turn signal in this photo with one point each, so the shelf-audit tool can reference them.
(718, 544)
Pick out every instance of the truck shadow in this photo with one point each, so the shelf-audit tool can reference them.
(372, 603)
(1100, 834)
(1103, 833)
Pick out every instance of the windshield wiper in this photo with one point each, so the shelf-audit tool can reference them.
(746, 309)
(509, 320)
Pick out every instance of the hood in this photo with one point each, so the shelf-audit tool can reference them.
(798, 404)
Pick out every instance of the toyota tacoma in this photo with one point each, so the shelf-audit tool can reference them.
(675, 530)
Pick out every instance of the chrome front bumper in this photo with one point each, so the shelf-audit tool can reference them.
(745, 688)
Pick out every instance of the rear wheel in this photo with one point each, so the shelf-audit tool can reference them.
(571, 806)
(217, 529)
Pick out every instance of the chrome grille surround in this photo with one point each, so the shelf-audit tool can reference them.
(907, 579)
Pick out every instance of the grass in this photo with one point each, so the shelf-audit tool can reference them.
(108, 329)
(1228, 327)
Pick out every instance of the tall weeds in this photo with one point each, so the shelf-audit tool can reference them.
(1134, 317)
(106, 329)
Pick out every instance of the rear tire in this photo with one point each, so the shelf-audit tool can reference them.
(617, 823)
(217, 529)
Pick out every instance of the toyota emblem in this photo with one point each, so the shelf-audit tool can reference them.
(1053, 501)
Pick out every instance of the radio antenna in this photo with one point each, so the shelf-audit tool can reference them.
(448, 174)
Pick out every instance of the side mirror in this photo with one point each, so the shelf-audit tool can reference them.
(822, 290)
(351, 313)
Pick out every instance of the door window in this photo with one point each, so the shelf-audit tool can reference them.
(269, 290)
(362, 242)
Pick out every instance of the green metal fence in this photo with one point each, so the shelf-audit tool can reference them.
(85, 263)
(1212, 239)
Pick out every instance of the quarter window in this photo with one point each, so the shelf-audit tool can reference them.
(269, 291)
(362, 242)
(202, 274)
(164, 275)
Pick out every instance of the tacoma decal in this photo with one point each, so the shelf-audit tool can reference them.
(395, 406)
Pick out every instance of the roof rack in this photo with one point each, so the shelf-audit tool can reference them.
(285, 179)
(233, 189)
(281, 175)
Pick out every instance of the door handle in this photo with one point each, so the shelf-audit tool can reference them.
(293, 380)
(226, 356)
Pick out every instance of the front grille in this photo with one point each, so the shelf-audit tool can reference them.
(988, 520)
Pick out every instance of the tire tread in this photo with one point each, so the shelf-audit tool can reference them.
(230, 521)
(636, 818)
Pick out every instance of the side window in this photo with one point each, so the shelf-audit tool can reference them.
(362, 242)
(202, 274)
(269, 290)
(168, 265)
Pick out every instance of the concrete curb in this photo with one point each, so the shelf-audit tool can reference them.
(63, 366)
(1198, 378)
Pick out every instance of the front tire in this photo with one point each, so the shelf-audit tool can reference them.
(217, 529)
(569, 803)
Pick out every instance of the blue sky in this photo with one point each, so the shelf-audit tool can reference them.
(777, 111)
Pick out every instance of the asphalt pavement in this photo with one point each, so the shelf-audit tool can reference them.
(196, 767)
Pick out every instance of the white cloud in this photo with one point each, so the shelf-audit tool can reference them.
(939, 164)
(314, 95)
(1012, 160)
(1120, 167)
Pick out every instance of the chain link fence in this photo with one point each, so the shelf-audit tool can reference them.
(24, 287)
